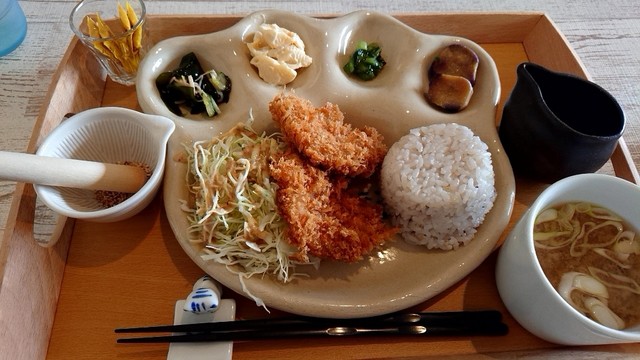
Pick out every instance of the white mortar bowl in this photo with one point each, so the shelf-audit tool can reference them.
(110, 135)
(525, 290)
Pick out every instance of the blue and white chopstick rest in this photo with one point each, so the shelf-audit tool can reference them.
(205, 296)
(214, 309)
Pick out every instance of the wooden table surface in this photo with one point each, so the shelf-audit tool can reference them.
(604, 35)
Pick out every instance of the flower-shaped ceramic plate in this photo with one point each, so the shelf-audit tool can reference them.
(400, 275)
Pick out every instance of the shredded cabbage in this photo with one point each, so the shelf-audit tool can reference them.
(234, 214)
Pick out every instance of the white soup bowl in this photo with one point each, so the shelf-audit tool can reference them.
(529, 296)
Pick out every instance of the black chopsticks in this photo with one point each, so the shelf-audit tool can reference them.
(452, 323)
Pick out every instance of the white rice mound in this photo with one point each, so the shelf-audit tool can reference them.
(437, 183)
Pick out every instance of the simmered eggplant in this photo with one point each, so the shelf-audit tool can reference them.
(451, 93)
(457, 60)
(452, 75)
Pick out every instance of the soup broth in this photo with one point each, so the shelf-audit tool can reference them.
(592, 257)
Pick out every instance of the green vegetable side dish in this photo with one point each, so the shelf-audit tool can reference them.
(366, 62)
(191, 87)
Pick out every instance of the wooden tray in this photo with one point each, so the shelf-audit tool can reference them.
(64, 302)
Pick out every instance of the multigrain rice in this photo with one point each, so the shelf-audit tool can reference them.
(437, 183)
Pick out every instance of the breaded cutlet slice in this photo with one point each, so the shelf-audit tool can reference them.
(322, 136)
(325, 220)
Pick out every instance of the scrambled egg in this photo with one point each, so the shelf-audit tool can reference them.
(277, 53)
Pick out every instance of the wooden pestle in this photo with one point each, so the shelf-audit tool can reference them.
(78, 174)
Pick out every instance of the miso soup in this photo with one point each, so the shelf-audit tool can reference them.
(592, 258)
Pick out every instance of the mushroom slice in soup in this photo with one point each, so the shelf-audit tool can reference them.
(615, 257)
(627, 244)
(601, 313)
(577, 281)
(595, 235)
(615, 280)
(593, 301)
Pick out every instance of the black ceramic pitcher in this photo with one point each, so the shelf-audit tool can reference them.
(555, 125)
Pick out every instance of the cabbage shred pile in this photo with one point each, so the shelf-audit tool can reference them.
(234, 214)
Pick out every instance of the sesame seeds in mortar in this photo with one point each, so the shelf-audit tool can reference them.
(438, 184)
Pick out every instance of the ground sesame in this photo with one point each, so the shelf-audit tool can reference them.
(112, 198)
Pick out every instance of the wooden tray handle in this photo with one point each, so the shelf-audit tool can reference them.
(31, 284)
(623, 164)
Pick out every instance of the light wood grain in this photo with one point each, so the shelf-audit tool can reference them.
(602, 34)
(103, 268)
(30, 275)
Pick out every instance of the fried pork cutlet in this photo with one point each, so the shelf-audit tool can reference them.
(325, 220)
(322, 136)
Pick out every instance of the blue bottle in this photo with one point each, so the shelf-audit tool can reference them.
(13, 26)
